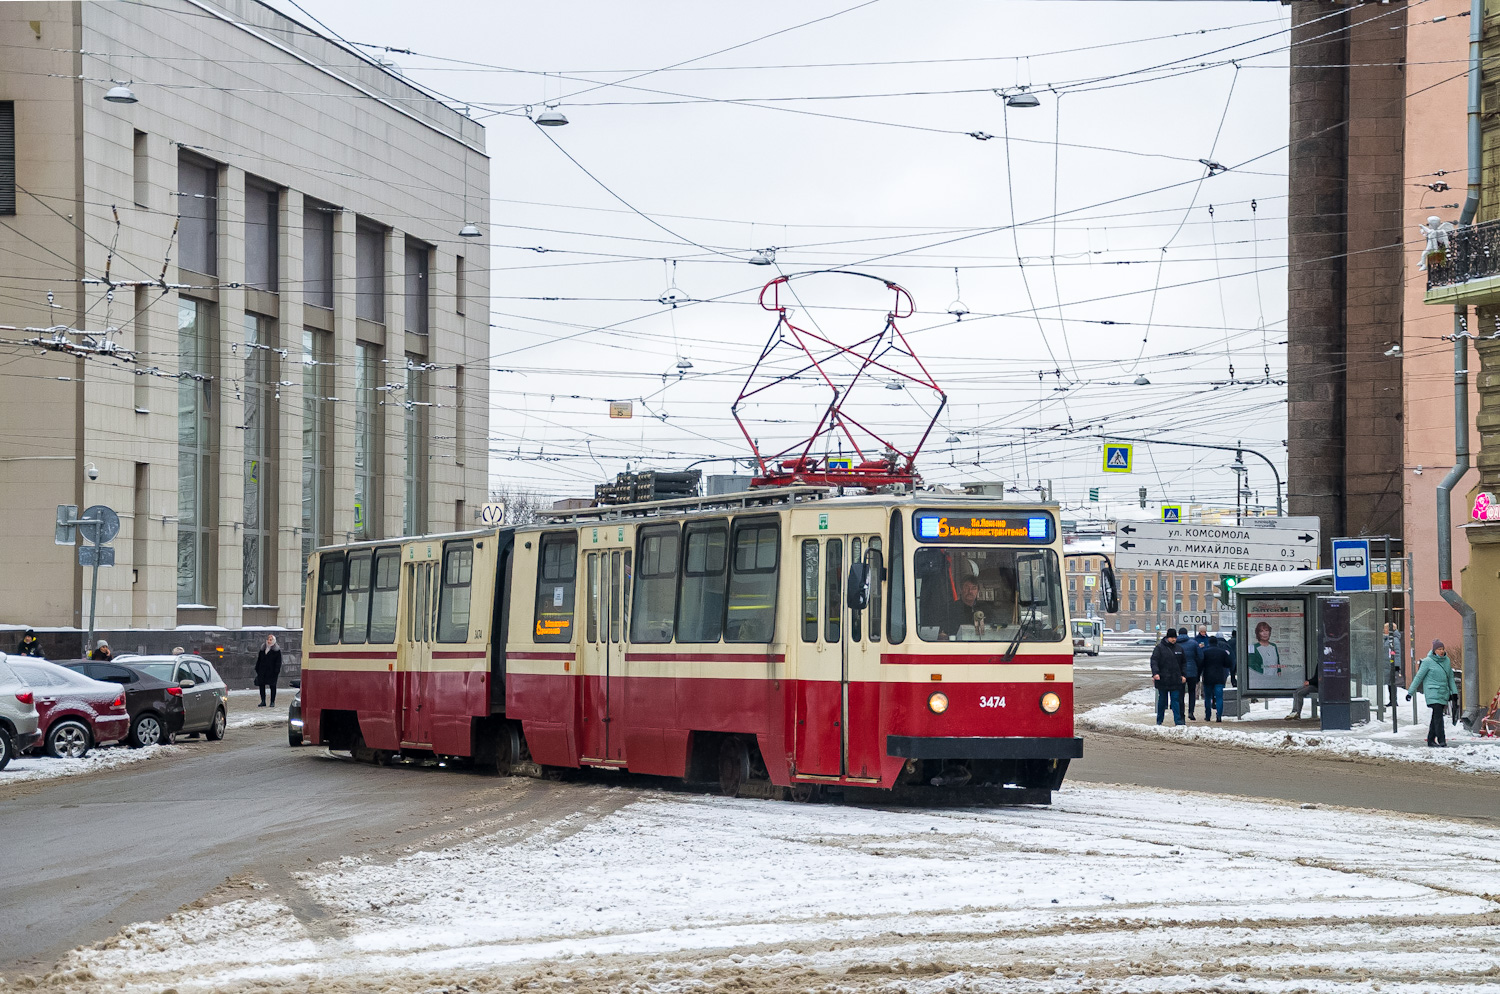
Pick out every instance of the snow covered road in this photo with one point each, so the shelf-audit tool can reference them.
(1112, 888)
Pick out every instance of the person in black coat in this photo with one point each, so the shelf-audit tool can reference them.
(1166, 676)
(30, 645)
(267, 669)
(1215, 664)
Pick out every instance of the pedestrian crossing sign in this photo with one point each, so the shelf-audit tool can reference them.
(840, 462)
(1171, 513)
(1116, 458)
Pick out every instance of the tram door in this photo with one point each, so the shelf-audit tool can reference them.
(838, 659)
(603, 666)
(415, 684)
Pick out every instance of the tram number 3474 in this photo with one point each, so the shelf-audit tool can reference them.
(992, 702)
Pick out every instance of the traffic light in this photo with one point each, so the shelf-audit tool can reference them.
(1143, 496)
(1226, 589)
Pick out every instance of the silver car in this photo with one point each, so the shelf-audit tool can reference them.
(18, 717)
(205, 696)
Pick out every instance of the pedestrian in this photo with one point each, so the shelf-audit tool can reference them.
(179, 651)
(1434, 681)
(101, 651)
(267, 669)
(1215, 664)
(1308, 689)
(1192, 653)
(1166, 676)
(1234, 661)
(30, 645)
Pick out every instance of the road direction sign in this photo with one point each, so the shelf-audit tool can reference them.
(107, 528)
(1239, 550)
(1117, 457)
(105, 554)
(1351, 564)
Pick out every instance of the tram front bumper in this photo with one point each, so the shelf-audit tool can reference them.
(976, 747)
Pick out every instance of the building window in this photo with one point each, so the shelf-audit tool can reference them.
(1072, 566)
(1161, 606)
(414, 516)
(195, 448)
(316, 448)
(141, 169)
(198, 200)
(369, 272)
(460, 285)
(367, 440)
(1132, 604)
(317, 253)
(7, 157)
(1193, 583)
(260, 440)
(1192, 602)
(1132, 584)
(1072, 583)
(1177, 585)
(1178, 604)
(460, 415)
(261, 239)
(417, 300)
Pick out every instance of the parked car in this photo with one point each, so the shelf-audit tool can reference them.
(75, 712)
(156, 709)
(294, 717)
(18, 717)
(205, 697)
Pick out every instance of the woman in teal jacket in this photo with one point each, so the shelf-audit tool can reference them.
(1434, 681)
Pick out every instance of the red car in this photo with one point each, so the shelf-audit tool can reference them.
(76, 712)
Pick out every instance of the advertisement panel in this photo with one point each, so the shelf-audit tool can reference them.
(1276, 644)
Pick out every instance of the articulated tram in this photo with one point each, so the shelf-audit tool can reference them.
(784, 642)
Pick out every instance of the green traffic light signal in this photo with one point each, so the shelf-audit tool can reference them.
(1226, 588)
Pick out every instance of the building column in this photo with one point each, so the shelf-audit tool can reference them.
(393, 483)
(228, 582)
(288, 407)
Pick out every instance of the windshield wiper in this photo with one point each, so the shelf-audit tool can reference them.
(1015, 643)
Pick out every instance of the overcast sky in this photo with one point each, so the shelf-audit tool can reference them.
(839, 134)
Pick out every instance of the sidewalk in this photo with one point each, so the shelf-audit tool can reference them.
(1268, 730)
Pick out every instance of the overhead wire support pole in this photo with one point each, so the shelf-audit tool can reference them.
(1203, 445)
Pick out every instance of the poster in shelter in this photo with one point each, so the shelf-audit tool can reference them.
(1276, 644)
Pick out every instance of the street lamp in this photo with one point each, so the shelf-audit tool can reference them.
(470, 230)
(1025, 98)
(120, 93)
(765, 257)
(551, 117)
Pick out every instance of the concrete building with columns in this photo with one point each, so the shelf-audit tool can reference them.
(279, 336)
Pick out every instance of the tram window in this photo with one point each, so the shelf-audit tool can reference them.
(357, 599)
(752, 581)
(855, 614)
(810, 590)
(895, 622)
(979, 594)
(705, 578)
(329, 623)
(877, 577)
(456, 592)
(833, 604)
(616, 584)
(591, 613)
(655, 585)
(416, 629)
(557, 569)
(384, 599)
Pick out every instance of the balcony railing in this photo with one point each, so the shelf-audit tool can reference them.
(1473, 253)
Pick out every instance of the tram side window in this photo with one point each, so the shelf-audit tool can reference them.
(357, 599)
(877, 577)
(556, 571)
(384, 600)
(752, 582)
(895, 623)
(329, 621)
(810, 581)
(456, 592)
(705, 577)
(655, 585)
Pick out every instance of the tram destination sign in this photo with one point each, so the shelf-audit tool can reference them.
(1258, 545)
(966, 526)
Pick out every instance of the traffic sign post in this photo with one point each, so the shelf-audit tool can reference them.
(98, 526)
(1259, 545)
(1351, 565)
(1117, 457)
(1171, 513)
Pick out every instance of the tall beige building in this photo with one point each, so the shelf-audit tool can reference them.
(268, 238)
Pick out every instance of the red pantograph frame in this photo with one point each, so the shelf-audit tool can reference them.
(892, 466)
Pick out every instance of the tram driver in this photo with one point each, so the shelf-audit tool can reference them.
(969, 615)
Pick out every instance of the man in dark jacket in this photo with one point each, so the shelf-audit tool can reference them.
(1166, 676)
(267, 669)
(30, 645)
(1214, 666)
(1191, 655)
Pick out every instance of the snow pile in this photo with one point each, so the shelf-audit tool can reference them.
(28, 768)
(1110, 882)
(1135, 714)
(244, 712)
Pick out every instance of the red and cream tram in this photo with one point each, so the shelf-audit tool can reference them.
(781, 641)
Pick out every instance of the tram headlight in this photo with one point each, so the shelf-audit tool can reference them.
(937, 703)
(1051, 702)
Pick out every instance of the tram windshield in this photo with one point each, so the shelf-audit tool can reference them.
(989, 595)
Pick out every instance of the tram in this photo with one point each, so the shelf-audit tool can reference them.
(784, 642)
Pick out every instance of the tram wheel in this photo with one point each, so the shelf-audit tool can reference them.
(734, 766)
(807, 793)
